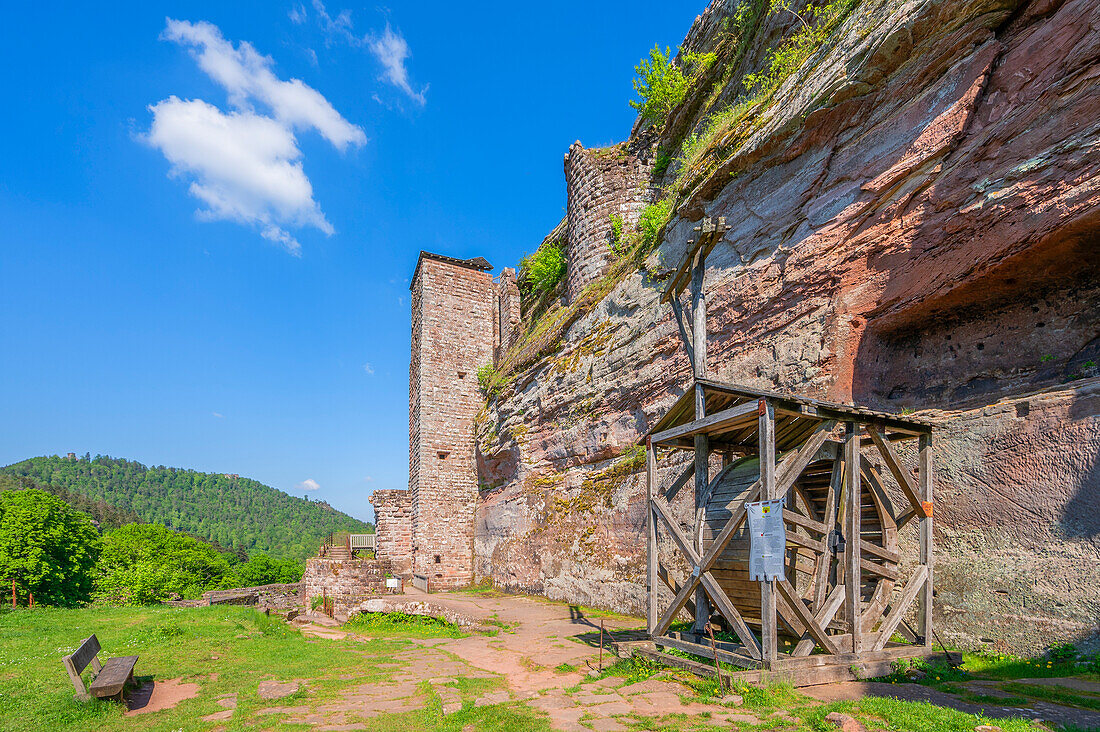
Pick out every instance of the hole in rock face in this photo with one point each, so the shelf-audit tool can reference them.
(1010, 327)
(443, 454)
(438, 559)
(462, 374)
(1023, 409)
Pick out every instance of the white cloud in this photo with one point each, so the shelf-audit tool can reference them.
(392, 51)
(309, 484)
(219, 416)
(247, 76)
(368, 368)
(368, 479)
(243, 164)
(297, 14)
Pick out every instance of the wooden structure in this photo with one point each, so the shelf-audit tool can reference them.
(843, 601)
(111, 677)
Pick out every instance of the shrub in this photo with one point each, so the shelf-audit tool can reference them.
(1063, 653)
(617, 234)
(485, 376)
(660, 84)
(544, 269)
(144, 563)
(652, 219)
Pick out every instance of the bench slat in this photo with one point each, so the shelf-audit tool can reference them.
(82, 656)
(111, 680)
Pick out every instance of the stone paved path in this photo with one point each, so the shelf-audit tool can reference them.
(537, 642)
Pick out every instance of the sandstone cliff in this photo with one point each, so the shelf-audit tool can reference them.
(914, 216)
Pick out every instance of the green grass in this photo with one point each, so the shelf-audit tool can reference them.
(240, 645)
(1054, 694)
(225, 650)
(878, 712)
(1002, 666)
(404, 625)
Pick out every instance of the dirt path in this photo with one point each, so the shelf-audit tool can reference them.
(541, 652)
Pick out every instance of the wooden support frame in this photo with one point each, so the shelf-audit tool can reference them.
(841, 524)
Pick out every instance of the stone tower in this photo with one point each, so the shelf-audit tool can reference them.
(601, 183)
(454, 326)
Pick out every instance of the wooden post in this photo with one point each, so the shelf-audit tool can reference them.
(924, 478)
(766, 427)
(651, 532)
(13, 593)
(702, 442)
(852, 579)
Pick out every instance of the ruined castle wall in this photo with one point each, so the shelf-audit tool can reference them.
(454, 311)
(508, 312)
(913, 227)
(393, 522)
(601, 183)
(347, 582)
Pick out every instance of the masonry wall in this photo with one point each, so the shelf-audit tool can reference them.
(508, 312)
(601, 183)
(454, 316)
(393, 523)
(348, 582)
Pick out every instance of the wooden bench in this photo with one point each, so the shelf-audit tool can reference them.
(111, 677)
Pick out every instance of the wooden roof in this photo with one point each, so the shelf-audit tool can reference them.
(732, 419)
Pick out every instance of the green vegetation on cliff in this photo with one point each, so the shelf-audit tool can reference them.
(232, 511)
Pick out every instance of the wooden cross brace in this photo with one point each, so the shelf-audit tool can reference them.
(786, 474)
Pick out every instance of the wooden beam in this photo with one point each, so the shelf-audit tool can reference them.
(924, 476)
(680, 482)
(766, 431)
(716, 421)
(730, 657)
(823, 617)
(852, 490)
(897, 613)
(702, 481)
(788, 472)
(686, 336)
(893, 462)
(670, 582)
(699, 320)
(816, 631)
(651, 534)
(825, 561)
(700, 576)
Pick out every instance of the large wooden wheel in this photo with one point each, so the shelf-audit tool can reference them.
(814, 520)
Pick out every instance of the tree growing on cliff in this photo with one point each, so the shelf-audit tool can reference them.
(544, 269)
(662, 85)
(46, 548)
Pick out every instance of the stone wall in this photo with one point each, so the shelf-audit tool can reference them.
(348, 582)
(278, 596)
(393, 526)
(508, 312)
(914, 220)
(454, 316)
(601, 183)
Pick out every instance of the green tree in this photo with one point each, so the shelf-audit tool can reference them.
(46, 547)
(236, 512)
(261, 569)
(146, 563)
(660, 84)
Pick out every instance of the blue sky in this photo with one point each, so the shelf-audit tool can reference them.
(204, 263)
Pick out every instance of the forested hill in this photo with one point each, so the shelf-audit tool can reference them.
(235, 512)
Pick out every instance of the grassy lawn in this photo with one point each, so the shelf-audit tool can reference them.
(225, 650)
